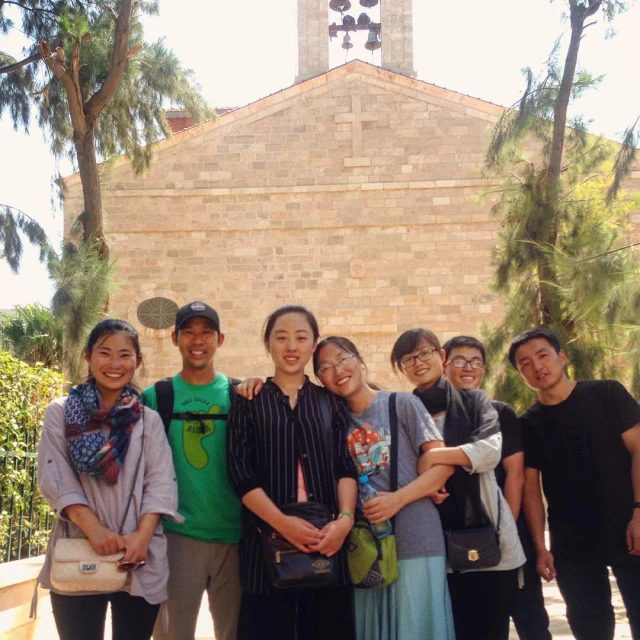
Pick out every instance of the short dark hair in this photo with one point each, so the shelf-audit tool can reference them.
(409, 342)
(532, 334)
(465, 341)
(283, 311)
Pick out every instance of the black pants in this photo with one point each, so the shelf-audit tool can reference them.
(528, 611)
(481, 602)
(587, 593)
(83, 617)
(321, 614)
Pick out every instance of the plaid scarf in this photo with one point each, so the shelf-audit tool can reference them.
(90, 451)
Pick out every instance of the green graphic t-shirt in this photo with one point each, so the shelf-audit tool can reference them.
(210, 508)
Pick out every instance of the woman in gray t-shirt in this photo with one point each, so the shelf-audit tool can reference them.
(418, 604)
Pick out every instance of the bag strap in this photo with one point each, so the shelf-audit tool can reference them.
(499, 513)
(393, 428)
(65, 524)
(135, 476)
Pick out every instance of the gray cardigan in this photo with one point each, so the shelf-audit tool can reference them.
(155, 491)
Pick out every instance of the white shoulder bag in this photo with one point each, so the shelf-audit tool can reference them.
(77, 566)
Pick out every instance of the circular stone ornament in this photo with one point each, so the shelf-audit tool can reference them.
(157, 313)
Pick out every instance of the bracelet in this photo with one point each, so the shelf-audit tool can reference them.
(636, 505)
(346, 513)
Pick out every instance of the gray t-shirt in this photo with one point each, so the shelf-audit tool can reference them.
(417, 526)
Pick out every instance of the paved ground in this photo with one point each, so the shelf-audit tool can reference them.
(559, 627)
(554, 602)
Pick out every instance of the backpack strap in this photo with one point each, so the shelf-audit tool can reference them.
(165, 396)
(164, 400)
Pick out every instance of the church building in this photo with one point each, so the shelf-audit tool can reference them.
(353, 192)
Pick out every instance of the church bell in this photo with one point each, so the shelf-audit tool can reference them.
(368, 3)
(346, 42)
(372, 42)
(348, 21)
(363, 18)
(340, 5)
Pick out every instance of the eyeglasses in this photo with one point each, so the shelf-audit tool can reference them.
(341, 363)
(424, 356)
(460, 363)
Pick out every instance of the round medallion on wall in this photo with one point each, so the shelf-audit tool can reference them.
(157, 313)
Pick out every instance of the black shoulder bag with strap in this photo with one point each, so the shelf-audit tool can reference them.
(373, 561)
(288, 568)
(165, 396)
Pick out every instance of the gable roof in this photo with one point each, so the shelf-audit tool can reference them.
(349, 72)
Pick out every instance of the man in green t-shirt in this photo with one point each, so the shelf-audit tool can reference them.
(203, 550)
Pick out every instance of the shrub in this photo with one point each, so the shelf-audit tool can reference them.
(25, 518)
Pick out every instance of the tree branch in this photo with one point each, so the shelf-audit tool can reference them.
(98, 101)
(74, 97)
(37, 9)
(18, 65)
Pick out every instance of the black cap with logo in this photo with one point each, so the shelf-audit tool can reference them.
(197, 309)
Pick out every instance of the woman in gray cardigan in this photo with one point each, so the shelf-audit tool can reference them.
(99, 447)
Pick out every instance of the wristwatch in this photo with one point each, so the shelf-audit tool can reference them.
(636, 505)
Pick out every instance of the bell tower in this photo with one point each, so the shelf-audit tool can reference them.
(313, 38)
(396, 18)
(395, 33)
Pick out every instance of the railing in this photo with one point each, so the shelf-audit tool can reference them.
(25, 518)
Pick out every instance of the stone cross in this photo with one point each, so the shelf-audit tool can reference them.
(356, 118)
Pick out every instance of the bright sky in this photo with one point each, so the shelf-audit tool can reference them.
(244, 50)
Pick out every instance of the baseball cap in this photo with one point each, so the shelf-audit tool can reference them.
(197, 309)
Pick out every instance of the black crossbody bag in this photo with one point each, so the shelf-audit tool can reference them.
(474, 548)
(288, 568)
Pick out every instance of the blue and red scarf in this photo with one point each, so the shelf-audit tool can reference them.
(90, 450)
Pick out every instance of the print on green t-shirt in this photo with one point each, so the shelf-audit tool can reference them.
(206, 500)
(193, 433)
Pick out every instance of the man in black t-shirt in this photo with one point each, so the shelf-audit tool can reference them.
(583, 440)
(465, 368)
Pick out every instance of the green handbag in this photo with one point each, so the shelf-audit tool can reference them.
(373, 561)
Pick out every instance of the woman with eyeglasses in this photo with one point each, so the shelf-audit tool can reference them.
(418, 604)
(481, 599)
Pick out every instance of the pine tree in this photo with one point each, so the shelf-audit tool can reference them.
(98, 88)
(560, 261)
(98, 91)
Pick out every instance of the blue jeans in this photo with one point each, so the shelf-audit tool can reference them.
(587, 593)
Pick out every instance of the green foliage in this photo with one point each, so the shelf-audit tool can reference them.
(33, 334)
(561, 260)
(82, 284)
(134, 118)
(24, 516)
(13, 225)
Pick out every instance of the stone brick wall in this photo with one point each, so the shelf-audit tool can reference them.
(354, 193)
